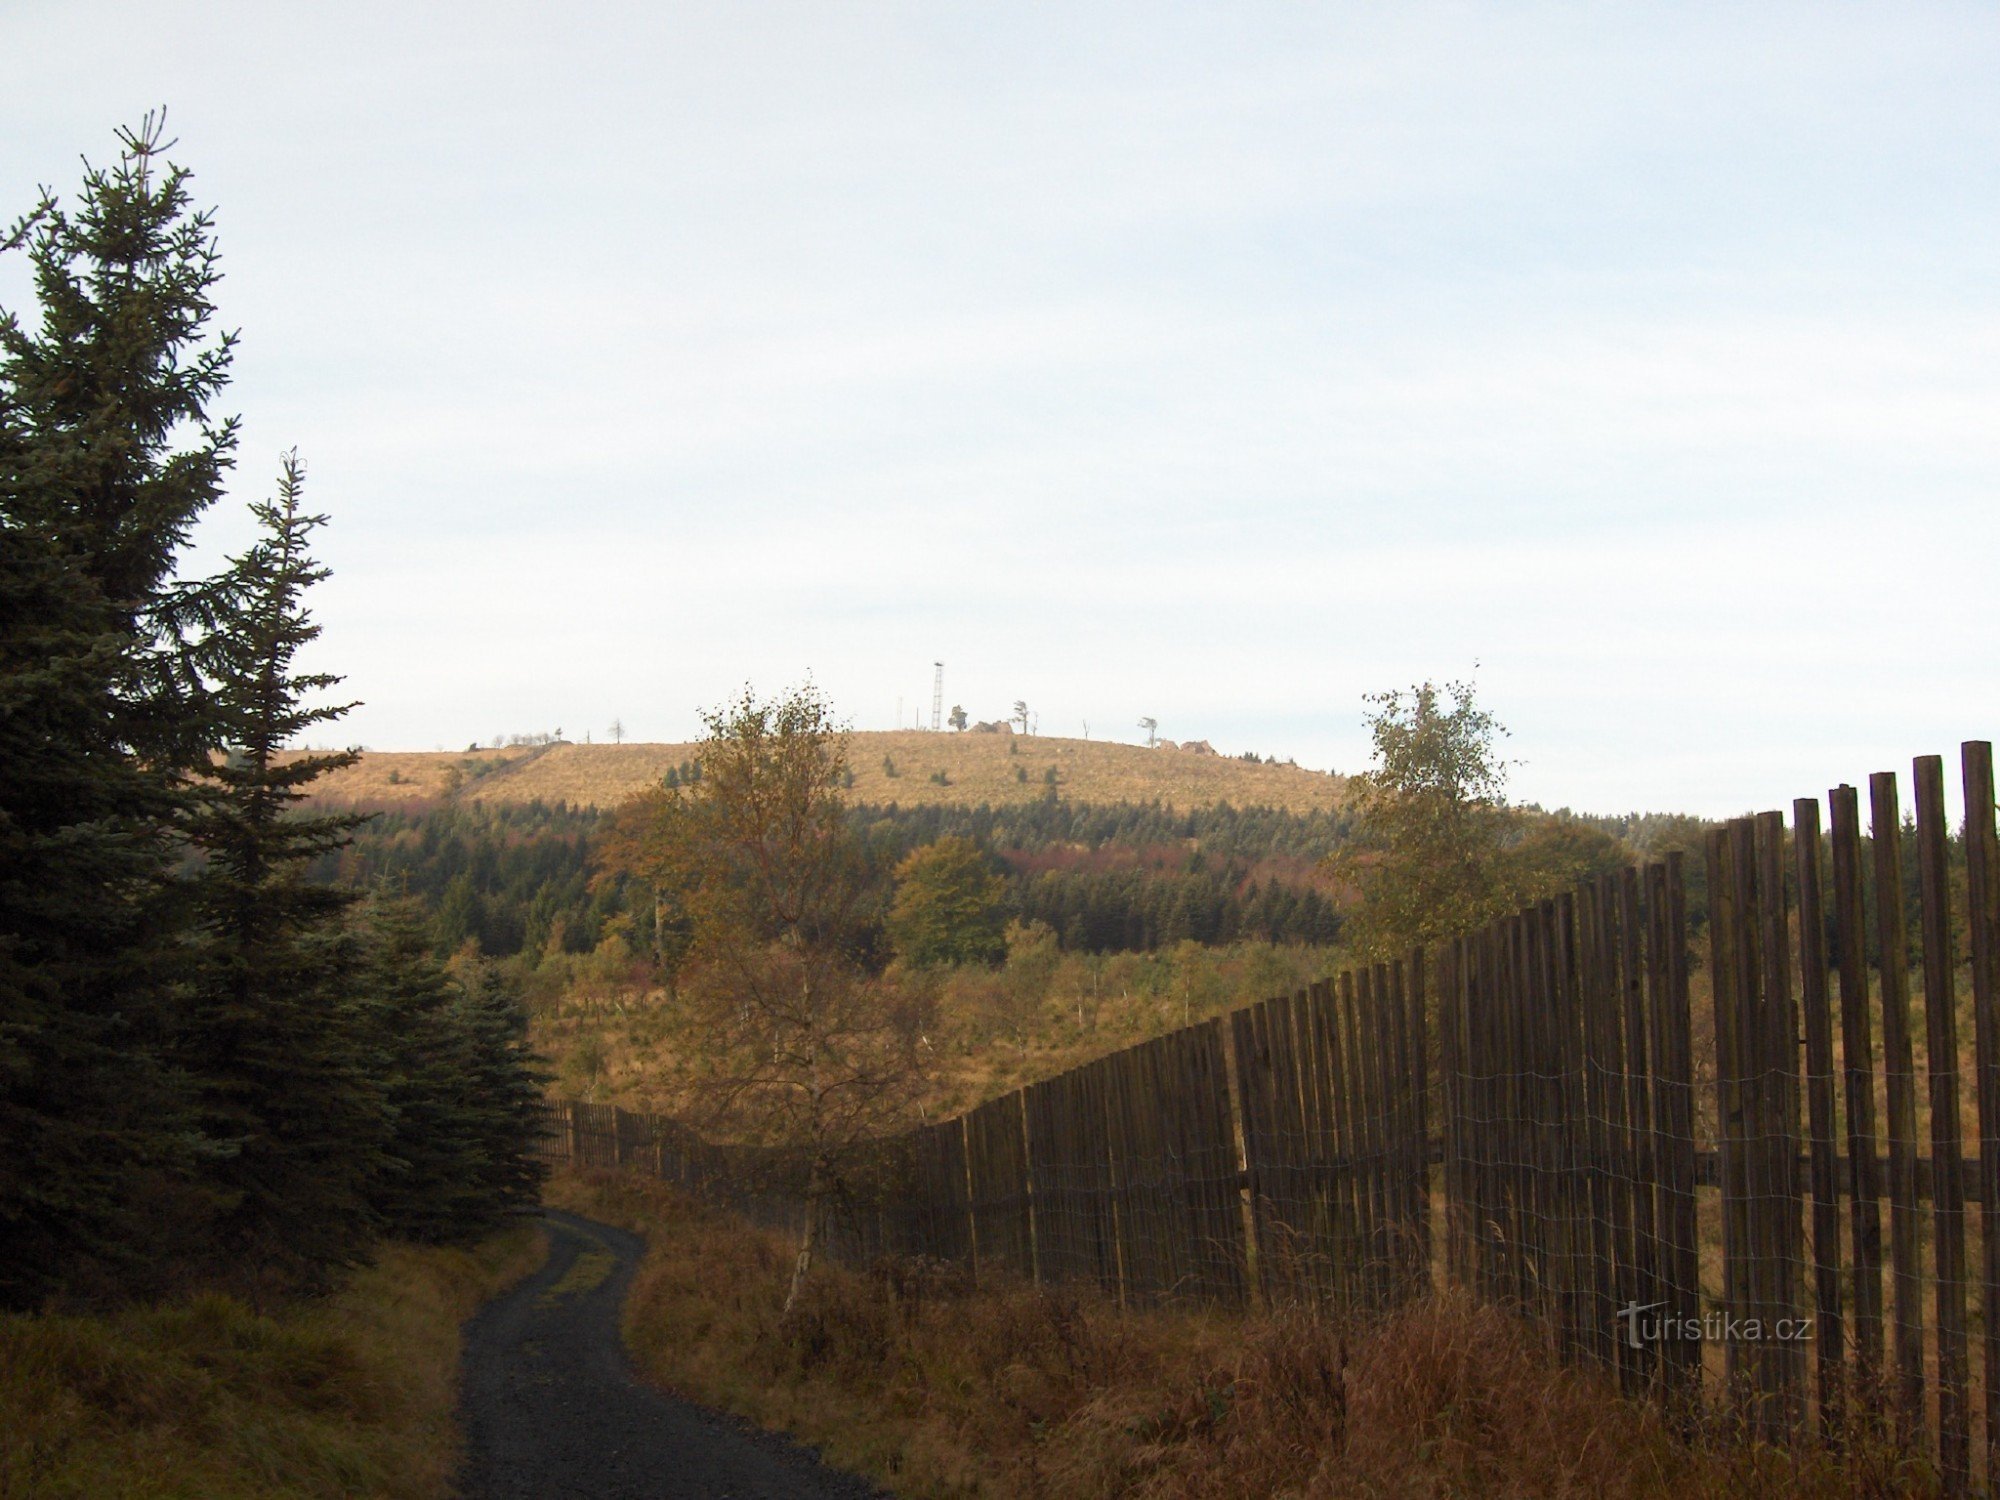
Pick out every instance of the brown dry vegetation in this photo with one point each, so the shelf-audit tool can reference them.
(609, 1041)
(606, 1046)
(980, 768)
(392, 778)
(938, 1389)
(206, 1399)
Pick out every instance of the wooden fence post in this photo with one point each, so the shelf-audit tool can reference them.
(1857, 1048)
(1947, 1154)
(1899, 1070)
(1982, 879)
(1827, 1330)
(1673, 1049)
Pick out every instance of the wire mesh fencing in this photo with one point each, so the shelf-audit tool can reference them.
(1569, 1151)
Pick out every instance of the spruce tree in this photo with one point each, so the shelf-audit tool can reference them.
(501, 1086)
(101, 713)
(453, 1074)
(113, 454)
(97, 1137)
(204, 1061)
(278, 1037)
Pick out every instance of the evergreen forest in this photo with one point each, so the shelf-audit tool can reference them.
(213, 1069)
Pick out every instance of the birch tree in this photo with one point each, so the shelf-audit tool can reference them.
(788, 1041)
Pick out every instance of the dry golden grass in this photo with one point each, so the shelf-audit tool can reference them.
(987, 768)
(609, 1041)
(384, 778)
(205, 1399)
(582, 775)
(978, 768)
(939, 1389)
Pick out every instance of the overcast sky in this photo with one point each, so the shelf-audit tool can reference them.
(1217, 363)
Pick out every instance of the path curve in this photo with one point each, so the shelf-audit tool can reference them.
(551, 1410)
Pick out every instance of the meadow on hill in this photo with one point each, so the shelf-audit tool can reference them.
(908, 767)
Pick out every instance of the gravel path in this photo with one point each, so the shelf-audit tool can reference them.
(550, 1409)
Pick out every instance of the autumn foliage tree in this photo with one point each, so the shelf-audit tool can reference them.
(1431, 826)
(950, 905)
(788, 1041)
(1437, 850)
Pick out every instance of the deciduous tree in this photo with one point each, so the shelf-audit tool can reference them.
(789, 1042)
(949, 906)
(1428, 855)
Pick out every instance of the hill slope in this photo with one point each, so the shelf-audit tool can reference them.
(995, 769)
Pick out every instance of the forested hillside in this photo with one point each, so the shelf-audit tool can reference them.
(1086, 925)
(523, 879)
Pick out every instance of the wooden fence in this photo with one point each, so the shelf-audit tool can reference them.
(1534, 1113)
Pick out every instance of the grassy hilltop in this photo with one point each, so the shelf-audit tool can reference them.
(995, 769)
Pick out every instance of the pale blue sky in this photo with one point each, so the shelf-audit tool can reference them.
(1219, 363)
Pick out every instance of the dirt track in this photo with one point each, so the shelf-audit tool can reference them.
(550, 1408)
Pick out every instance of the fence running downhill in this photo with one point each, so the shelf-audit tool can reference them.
(1533, 1113)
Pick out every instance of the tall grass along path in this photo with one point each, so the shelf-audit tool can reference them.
(551, 1409)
